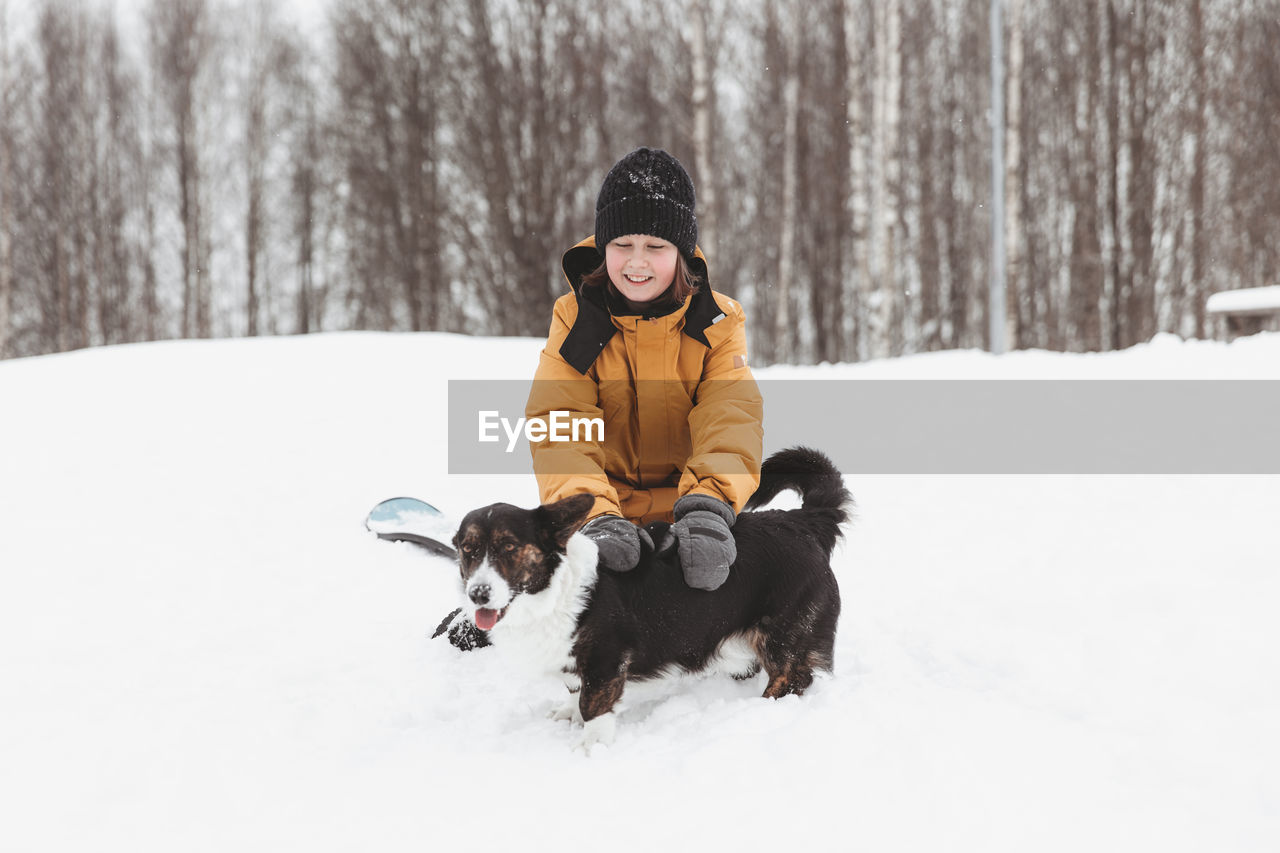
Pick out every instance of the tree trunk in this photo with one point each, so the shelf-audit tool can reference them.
(181, 46)
(306, 163)
(787, 226)
(6, 192)
(186, 208)
(829, 180)
(1141, 302)
(147, 163)
(702, 124)
(1118, 287)
(859, 256)
(884, 176)
(1086, 267)
(960, 278)
(120, 149)
(1199, 129)
(255, 144)
(203, 282)
(1015, 312)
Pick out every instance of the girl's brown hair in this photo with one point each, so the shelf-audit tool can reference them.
(683, 284)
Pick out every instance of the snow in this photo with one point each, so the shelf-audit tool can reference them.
(1245, 301)
(1165, 356)
(203, 650)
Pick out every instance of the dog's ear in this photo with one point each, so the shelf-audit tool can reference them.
(563, 518)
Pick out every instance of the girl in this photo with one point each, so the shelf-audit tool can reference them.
(645, 344)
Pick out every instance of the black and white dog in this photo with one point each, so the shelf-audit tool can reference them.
(534, 585)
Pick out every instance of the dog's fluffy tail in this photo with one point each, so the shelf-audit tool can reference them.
(815, 477)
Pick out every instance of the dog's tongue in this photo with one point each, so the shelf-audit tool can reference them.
(486, 619)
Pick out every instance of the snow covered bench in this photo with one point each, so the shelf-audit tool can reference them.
(1247, 311)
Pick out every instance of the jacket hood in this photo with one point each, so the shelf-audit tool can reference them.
(584, 257)
(594, 325)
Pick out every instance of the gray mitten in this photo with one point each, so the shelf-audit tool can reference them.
(706, 544)
(618, 541)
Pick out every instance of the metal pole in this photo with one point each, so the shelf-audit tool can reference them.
(996, 300)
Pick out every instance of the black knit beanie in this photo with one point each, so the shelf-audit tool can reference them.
(647, 192)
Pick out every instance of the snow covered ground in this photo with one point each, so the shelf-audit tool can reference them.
(202, 649)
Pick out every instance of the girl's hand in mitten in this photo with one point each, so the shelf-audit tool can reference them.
(706, 544)
(618, 541)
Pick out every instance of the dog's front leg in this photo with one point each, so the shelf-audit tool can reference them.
(602, 687)
(570, 709)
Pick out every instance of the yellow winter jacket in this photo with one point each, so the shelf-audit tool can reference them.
(681, 411)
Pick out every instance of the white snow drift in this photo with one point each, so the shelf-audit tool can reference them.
(203, 650)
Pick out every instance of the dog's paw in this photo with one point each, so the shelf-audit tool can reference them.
(598, 731)
(568, 710)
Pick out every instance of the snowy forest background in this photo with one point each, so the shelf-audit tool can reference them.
(208, 168)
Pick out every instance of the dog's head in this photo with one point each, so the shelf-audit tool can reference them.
(505, 552)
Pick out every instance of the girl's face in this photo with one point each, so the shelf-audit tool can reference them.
(640, 266)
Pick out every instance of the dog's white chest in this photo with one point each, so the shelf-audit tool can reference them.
(538, 630)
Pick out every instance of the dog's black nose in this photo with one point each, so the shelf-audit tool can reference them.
(480, 594)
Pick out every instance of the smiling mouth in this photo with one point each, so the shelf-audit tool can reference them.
(486, 618)
(637, 279)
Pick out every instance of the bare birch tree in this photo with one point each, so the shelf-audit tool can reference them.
(884, 175)
(530, 119)
(7, 108)
(1139, 307)
(1014, 333)
(390, 69)
(1085, 329)
(840, 150)
(149, 161)
(181, 45)
(119, 173)
(787, 224)
(824, 331)
(60, 140)
(859, 263)
(703, 122)
(311, 211)
(255, 92)
(1199, 168)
